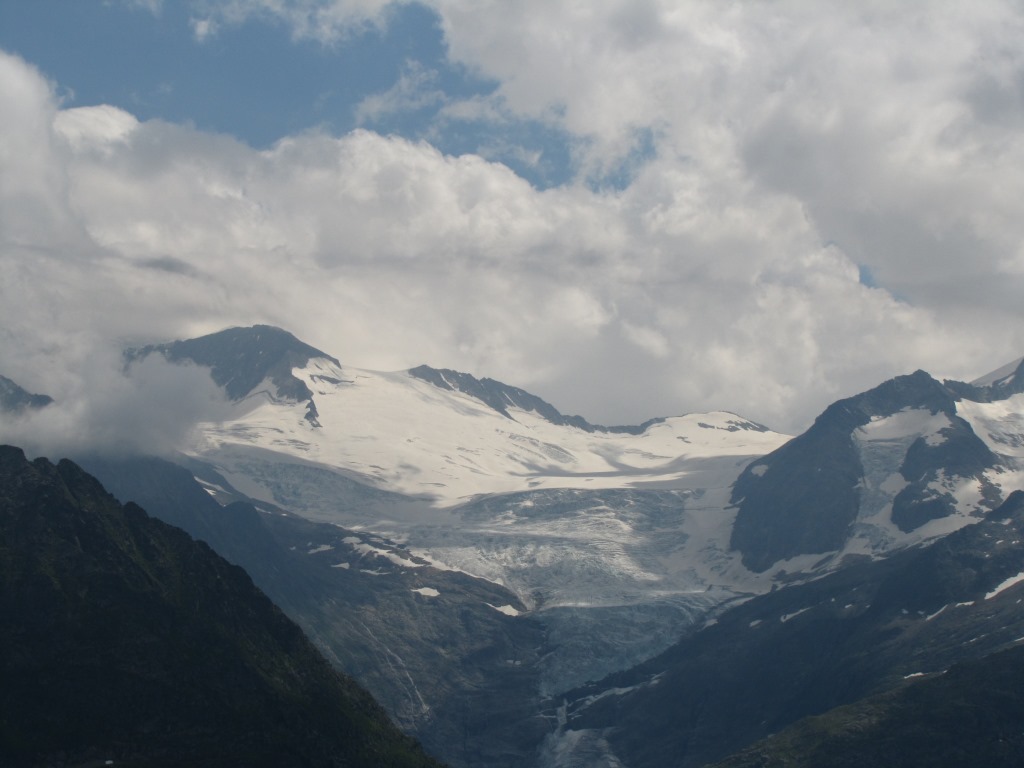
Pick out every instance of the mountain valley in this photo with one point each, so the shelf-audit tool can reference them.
(519, 587)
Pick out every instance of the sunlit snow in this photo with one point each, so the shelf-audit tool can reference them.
(400, 433)
(1003, 586)
(1000, 425)
(442, 449)
(508, 610)
(579, 525)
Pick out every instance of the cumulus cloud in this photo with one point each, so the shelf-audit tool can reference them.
(34, 204)
(151, 408)
(775, 152)
(885, 122)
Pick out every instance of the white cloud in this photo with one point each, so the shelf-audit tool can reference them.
(896, 129)
(151, 408)
(94, 128)
(416, 88)
(203, 29)
(34, 207)
(788, 144)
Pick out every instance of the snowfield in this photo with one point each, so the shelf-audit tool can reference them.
(620, 538)
(599, 530)
(507, 498)
(396, 432)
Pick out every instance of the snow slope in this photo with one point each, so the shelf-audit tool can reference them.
(883, 445)
(620, 538)
(398, 433)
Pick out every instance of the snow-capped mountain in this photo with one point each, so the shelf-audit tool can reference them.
(485, 477)
(439, 435)
(875, 627)
(594, 548)
(581, 521)
(1007, 380)
(14, 399)
(907, 461)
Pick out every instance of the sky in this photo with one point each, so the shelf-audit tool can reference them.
(631, 208)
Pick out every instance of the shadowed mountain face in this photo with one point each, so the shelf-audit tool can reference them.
(123, 639)
(969, 715)
(998, 385)
(14, 399)
(241, 358)
(804, 497)
(450, 668)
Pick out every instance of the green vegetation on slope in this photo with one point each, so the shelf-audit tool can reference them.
(970, 715)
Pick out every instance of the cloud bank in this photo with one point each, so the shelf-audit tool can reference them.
(766, 157)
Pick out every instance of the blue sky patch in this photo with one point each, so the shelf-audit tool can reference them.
(256, 82)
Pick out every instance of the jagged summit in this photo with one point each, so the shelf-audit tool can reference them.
(874, 466)
(14, 399)
(909, 460)
(501, 397)
(1000, 384)
(1002, 376)
(241, 358)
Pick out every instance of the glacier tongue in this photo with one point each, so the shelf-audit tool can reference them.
(619, 538)
(561, 515)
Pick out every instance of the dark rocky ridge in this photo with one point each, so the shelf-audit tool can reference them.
(123, 639)
(999, 389)
(453, 671)
(501, 397)
(14, 399)
(803, 497)
(240, 359)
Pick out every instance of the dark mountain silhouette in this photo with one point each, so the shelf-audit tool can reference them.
(14, 399)
(240, 359)
(450, 669)
(969, 715)
(125, 640)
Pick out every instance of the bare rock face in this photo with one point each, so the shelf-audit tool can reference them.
(805, 497)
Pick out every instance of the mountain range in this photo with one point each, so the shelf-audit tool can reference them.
(521, 587)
